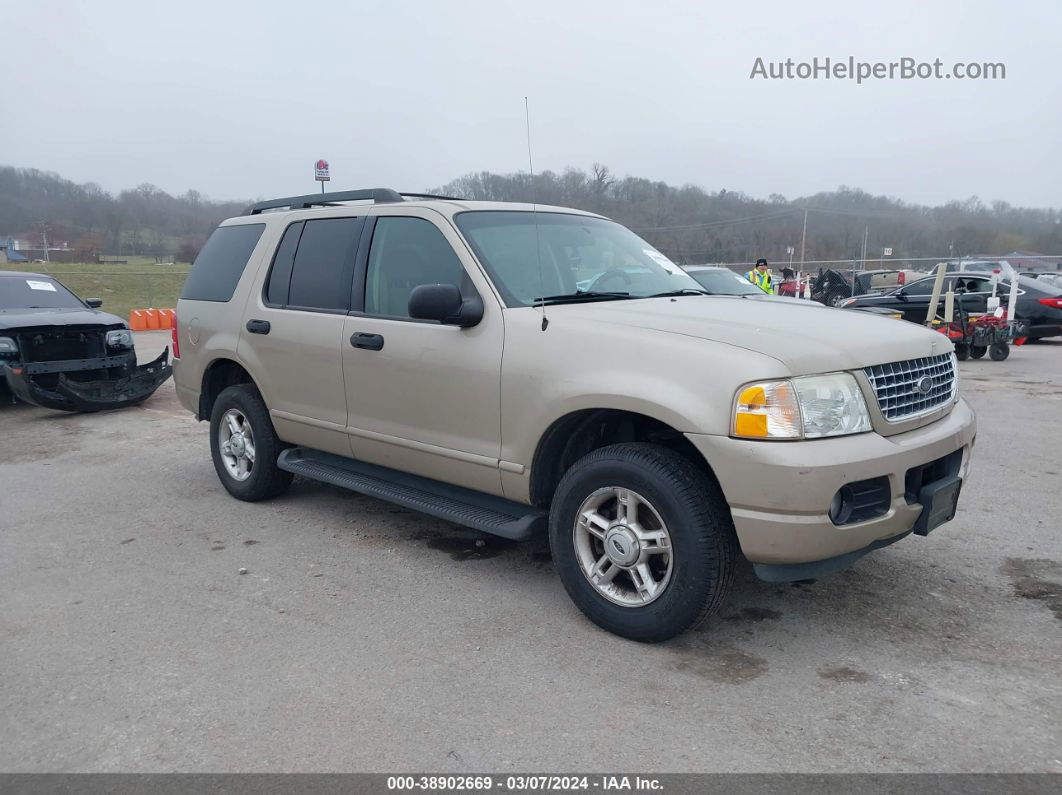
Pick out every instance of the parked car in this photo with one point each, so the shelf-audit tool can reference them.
(1039, 304)
(439, 353)
(1054, 279)
(718, 280)
(60, 352)
(834, 285)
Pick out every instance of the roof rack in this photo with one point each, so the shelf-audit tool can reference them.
(378, 195)
(431, 196)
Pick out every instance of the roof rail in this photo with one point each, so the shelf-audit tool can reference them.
(378, 195)
(431, 196)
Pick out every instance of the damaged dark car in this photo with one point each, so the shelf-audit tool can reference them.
(58, 351)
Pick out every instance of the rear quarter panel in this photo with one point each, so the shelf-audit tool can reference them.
(210, 330)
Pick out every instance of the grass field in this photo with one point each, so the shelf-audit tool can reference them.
(122, 287)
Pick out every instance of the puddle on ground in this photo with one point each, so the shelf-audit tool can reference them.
(755, 614)
(1036, 579)
(728, 666)
(843, 673)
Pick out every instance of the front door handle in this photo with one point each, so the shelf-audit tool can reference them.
(370, 342)
(258, 326)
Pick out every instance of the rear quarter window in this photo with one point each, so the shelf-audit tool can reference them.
(218, 268)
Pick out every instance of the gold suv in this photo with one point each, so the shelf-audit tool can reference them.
(527, 369)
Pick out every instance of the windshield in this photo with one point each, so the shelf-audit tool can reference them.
(35, 292)
(575, 254)
(725, 282)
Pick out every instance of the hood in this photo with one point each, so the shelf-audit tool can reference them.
(807, 339)
(11, 319)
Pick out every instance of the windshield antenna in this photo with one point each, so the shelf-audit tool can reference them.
(534, 213)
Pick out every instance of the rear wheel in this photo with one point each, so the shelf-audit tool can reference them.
(978, 351)
(244, 445)
(642, 540)
(998, 351)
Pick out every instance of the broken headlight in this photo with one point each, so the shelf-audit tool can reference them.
(120, 338)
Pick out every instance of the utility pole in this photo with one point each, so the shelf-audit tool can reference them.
(803, 239)
(44, 239)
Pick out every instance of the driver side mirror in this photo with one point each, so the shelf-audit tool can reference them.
(94, 303)
(444, 303)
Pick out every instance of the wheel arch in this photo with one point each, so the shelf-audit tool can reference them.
(221, 373)
(579, 432)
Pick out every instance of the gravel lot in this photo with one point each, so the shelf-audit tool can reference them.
(368, 638)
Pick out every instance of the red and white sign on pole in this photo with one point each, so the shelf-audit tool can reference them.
(320, 171)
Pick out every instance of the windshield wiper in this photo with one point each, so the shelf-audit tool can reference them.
(580, 295)
(683, 291)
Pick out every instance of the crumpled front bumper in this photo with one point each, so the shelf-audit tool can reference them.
(70, 395)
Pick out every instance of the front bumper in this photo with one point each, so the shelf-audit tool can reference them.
(70, 395)
(780, 492)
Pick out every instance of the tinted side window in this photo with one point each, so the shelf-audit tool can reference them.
(280, 273)
(406, 253)
(220, 264)
(924, 287)
(324, 264)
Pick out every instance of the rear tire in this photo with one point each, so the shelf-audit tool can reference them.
(998, 351)
(680, 555)
(241, 417)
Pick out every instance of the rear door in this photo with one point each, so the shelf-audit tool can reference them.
(293, 331)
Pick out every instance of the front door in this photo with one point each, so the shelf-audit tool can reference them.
(422, 397)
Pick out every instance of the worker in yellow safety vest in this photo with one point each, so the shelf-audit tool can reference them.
(761, 276)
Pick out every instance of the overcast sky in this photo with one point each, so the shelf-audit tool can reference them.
(238, 99)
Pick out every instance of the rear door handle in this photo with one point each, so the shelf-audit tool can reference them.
(370, 342)
(258, 326)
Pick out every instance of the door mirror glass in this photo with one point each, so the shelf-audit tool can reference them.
(444, 303)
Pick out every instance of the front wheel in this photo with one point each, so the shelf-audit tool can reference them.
(962, 351)
(837, 298)
(245, 446)
(998, 351)
(642, 540)
(978, 351)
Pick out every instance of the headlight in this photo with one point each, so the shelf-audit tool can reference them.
(8, 347)
(810, 407)
(954, 377)
(120, 338)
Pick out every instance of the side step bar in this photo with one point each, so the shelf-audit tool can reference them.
(495, 515)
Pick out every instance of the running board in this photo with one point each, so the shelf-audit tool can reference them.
(495, 515)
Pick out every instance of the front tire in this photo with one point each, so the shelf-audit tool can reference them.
(836, 298)
(245, 446)
(978, 351)
(998, 351)
(642, 540)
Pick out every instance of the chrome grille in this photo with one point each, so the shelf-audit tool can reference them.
(897, 385)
